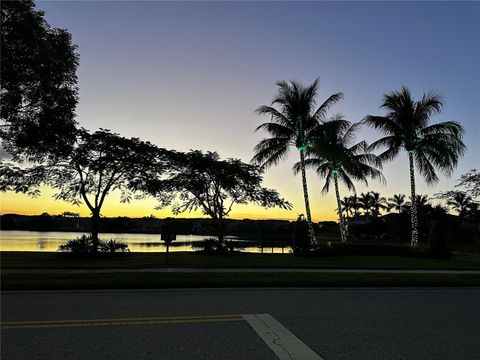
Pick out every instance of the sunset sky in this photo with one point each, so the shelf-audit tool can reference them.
(190, 75)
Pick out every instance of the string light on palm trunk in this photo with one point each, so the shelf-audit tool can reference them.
(414, 217)
(341, 221)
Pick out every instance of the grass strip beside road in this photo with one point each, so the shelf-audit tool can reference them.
(202, 280)
(52, 260)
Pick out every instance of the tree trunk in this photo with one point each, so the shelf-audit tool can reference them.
(414, 241)
(95, 228)
(341, 221)
(221, 231)
(311, 233)
(166, 255)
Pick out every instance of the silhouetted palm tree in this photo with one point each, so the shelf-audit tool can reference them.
(406, 126)
(422, 204)
(355, 204)
(365, 200)
(335, 158)
(397, 203)
(378, 203)
(461, 202)
(293, 124)
(421, 200)
(347, 205)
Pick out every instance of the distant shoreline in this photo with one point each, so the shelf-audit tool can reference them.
(247, 228)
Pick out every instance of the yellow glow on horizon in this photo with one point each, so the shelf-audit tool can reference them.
(13, 203)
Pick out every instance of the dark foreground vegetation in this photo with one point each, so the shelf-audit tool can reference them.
(50, 260)
(199, 280)
(33, 271)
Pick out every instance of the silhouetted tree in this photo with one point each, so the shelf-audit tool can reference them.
(38, 84)
(428, 146)
(471, 183)
(356, 206)
(334, 158)
(347, 205)
(366, 202)
(378, 203)
(99, 163)
(397, 203)
(461, 202)
(204, 181)
(292, 125)
(464, 200)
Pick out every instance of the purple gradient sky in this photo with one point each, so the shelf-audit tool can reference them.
(190, 75)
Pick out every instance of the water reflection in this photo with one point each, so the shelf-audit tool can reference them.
(50, 241)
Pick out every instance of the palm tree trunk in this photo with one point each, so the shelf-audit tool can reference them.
(311, 233)
(341, 220)
(414, 241)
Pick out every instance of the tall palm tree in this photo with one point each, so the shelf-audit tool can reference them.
(292, 124)
(335, 158)
(378, 203)
(461, 202)
(421, 200)
(366, 202)
(355, 204)
(347, 205)
(406, 127)
(397, 203)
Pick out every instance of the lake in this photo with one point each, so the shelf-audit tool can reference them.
(13, 240)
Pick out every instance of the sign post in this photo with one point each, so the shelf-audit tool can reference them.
(167, 236)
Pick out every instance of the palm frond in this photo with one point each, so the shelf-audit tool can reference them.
(310, 163)
(328, 180)
(425, 167)
(276, 116)
(275, 129)
(271, 151)
(430, 104)
(446, 128)
(346, 180)
(383, 123)
(321, 112)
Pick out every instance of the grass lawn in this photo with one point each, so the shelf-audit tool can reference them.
(12, 261)
(52, 260)
(199, 280)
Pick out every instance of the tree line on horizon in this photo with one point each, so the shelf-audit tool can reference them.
(39, 94)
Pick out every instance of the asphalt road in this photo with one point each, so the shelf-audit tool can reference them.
(335, 323)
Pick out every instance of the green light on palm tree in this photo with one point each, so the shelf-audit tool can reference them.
(287, 128)
(302, 147)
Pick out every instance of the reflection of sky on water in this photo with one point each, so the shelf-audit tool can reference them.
(50, 241)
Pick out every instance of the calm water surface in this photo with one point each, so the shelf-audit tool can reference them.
(12, 240)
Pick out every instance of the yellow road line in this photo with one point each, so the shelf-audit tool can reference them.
(118, 321)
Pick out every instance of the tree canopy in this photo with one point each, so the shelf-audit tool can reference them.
(38, 84)
(333, 153)
(204, 181)
(407, 127)
(294, 123)
(99, 163)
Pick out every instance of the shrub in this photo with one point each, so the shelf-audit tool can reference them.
(84, 245)
(437, 240)
(300, 240)
(113, 246)
(213, 246)
(81, 245)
